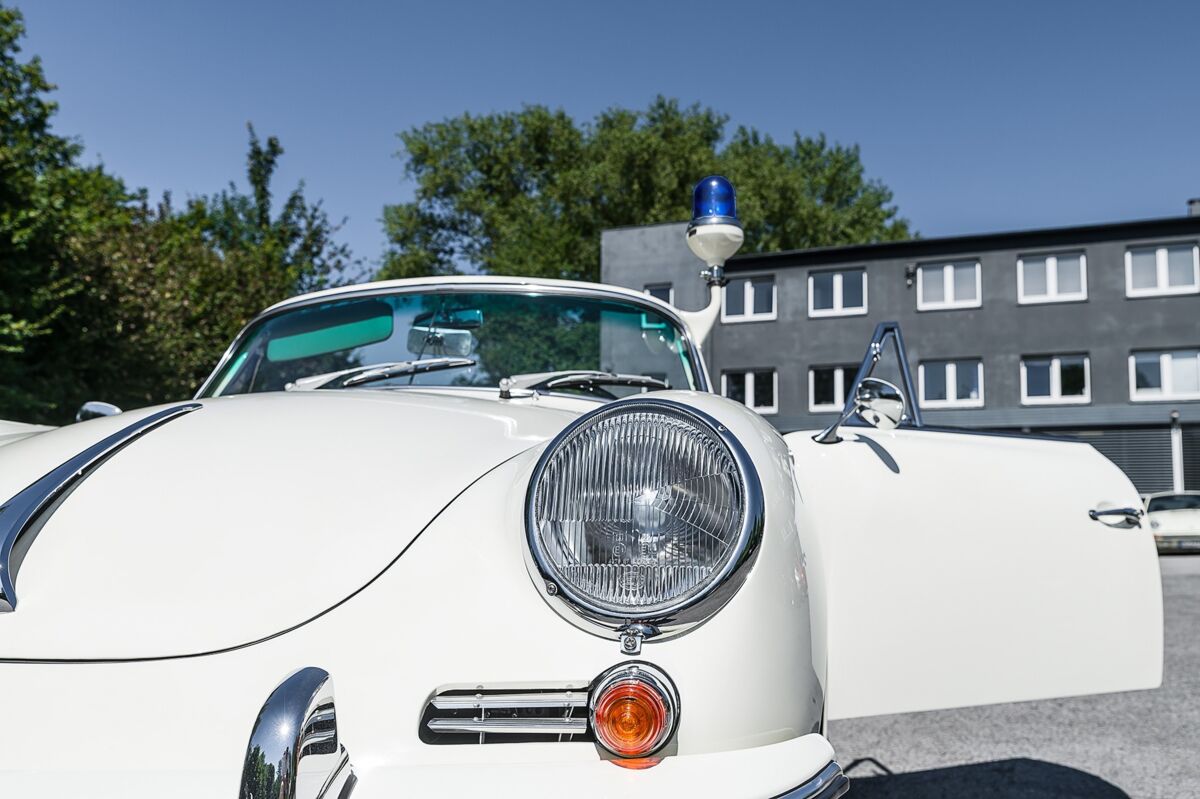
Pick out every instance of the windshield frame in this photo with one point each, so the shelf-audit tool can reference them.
(698, 367)
(1194, 505)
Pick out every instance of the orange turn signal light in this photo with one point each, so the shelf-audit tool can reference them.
(633, 711)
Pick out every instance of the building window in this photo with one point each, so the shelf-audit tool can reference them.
(1168, 269)
(1051, 278)
(749, 299)
(662, 291)
(1174, 374)
(1055, 379)
(951, 384)
(827, 387)
(842, 293)
(944, 286)
(754, 388)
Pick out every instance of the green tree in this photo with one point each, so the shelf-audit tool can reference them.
(49, 206)
(104, 296)
(528, 192)
(185, 281)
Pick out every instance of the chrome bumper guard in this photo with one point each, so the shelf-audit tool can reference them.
(829, 784)
(294, 752)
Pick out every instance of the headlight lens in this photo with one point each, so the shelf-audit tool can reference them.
(638, 510)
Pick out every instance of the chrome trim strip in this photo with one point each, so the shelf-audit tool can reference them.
(681, 615)
(547, 726)
(513, 700)
(22, 516)
(830, 783)
(699, 369)
(296, 729)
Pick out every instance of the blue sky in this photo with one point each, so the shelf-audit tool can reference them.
(979, 117)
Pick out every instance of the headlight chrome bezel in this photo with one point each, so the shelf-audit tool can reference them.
(689, 611)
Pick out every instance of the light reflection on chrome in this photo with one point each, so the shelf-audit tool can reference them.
(294, 751)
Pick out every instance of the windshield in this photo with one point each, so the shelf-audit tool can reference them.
(1175, 502)
(504, 333)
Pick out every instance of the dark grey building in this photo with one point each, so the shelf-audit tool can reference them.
(1089, 331)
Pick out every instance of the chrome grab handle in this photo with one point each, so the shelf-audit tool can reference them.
(1130, 517)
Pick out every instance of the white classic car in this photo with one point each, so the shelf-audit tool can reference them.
(538, 555)
(1174, 519)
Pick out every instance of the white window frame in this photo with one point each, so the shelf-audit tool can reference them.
(1056, 396)
(838, 280)
(1166, 391)
(840, 381)
(748, 301)
(1052, 293)
(948, 286)
(748, 376)
(669, 286)
(1161, 289)
(951, 367)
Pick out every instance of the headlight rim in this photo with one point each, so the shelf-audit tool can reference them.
(686, 612)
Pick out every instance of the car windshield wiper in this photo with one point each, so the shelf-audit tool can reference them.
(377, 371)
(577, 378)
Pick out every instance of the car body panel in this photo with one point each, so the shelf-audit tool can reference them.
(12, 432)
(285, 503)
(964, 570)
(460, 607)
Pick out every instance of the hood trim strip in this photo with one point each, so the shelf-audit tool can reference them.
(22, 516)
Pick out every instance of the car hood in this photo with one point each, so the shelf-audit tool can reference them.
(244, 518)
(12, 432)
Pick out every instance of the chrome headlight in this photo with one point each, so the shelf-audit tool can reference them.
(642, 511)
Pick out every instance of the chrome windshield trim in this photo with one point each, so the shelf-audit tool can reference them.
(597, 291)
(21, 518)
(830, 783)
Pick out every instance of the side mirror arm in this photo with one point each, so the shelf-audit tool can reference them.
(830, 434)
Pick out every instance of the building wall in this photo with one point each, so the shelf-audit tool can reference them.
(1107, 326)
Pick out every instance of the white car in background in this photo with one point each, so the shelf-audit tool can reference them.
(1174, 519)
(539, 556)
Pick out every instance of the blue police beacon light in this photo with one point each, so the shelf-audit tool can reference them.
(714, 233)
(714, 202)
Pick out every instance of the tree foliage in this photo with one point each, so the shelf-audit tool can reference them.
(106, 296)
(50, 208)
(528, 192)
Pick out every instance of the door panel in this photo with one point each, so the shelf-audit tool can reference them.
(963, 569)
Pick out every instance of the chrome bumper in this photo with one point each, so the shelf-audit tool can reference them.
(829, 784)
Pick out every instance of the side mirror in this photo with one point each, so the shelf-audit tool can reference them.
(95, 409)
(879, 403)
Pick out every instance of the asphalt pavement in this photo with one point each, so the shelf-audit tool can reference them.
(1137, 744)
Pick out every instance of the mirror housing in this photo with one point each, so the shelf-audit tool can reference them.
(94, 409)
(877, 402)
(440, 341)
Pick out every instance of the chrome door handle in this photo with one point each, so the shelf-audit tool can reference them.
(1128, 517)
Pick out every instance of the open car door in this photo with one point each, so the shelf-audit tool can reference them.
(965, 568)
